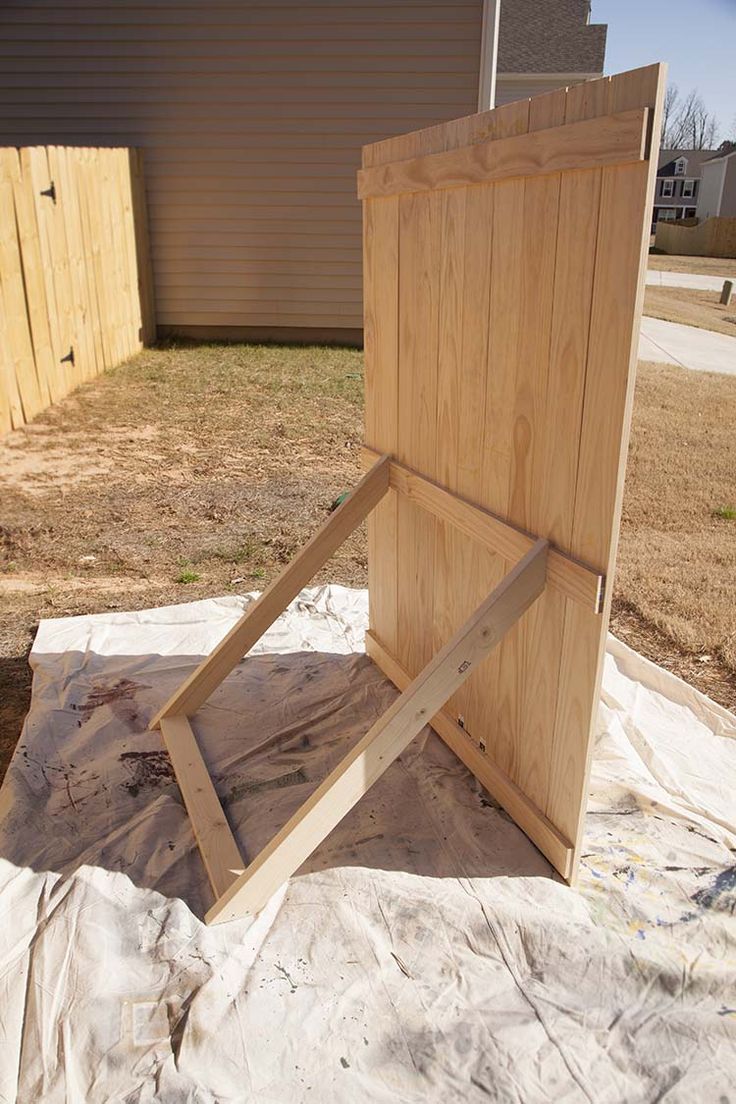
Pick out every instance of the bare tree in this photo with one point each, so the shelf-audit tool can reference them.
(687, 123)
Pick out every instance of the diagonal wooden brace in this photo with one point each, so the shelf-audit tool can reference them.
(385, 740)
(274, 600)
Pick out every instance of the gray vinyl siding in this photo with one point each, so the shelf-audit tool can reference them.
(251, 117)
(510, 88)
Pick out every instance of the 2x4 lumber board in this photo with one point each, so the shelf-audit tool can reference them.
(274, 600)
(532, 821)
(573, 579)
(385, 740)
(616, 139)
(220, 853)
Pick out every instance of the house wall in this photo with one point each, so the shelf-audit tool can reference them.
(711, 184)
(251, 116)
(728, 203)
(510, 87)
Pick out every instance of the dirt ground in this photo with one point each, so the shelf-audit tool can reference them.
(691, 308)
(199, 470)
(706, 266)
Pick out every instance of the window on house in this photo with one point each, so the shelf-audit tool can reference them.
(688, 189)
(668, 188)
(680, 166)
(666, 214)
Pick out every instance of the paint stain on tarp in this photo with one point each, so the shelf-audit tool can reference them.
(291, 778)
(149, 770)
(119, 696)
(720, 894)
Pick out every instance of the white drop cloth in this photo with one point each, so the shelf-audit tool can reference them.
(424, 953)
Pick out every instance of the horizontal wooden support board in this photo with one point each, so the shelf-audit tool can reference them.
(220, 852)
(530, 819)
(573, 579)
(617, 139)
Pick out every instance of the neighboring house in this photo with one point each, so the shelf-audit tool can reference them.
(251, 116)
(546, 44)
(718, 185)
(678, 183)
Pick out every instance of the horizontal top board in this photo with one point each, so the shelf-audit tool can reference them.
(615, 139)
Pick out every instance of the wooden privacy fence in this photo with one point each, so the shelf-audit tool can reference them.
(75, 285)
(716, 237)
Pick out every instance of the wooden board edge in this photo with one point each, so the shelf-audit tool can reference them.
(218, 848)
(532, 821)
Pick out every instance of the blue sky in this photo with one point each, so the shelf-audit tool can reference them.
(696, 37)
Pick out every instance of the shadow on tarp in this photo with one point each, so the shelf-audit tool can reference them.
(90, 784)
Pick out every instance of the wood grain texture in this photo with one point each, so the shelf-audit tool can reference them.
(217, 846)
(572, 578)
(386, 739)
(609, 140)
(519, 407)
(72, 243)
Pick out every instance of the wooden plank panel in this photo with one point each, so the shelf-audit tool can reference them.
(220, 852)
(12, 290)
(529, 454)
(381, 354)
(615, 318)
(38, 310)
(609, 140)
(419, 244)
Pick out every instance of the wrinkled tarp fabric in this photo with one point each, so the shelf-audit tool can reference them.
(425, 952)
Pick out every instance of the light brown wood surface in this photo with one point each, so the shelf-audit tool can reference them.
(609, 140)
(386, 739)
(217, 845)
(508, 383)
(74, 269)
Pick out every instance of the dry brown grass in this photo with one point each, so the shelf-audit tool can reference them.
(208, 463)
(677, 559)
(691, 308)
(213, 463)
(706, 266)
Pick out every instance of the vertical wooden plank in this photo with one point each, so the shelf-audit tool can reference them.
(144, 268)
(419, 237)
(527, 665)
(449, 384)
(35, 169)
(11, 408)
(47, 369)
(13, 301)
(381, 336)
(615, 316)
(79, 168)
(62, 167)
(500, 693)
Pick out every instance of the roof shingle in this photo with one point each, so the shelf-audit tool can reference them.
(549, 36)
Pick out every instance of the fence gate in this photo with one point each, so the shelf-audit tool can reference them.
(75, 283)
(504, 259)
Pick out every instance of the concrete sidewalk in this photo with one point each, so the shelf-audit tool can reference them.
(686, 280)
(688, 346)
